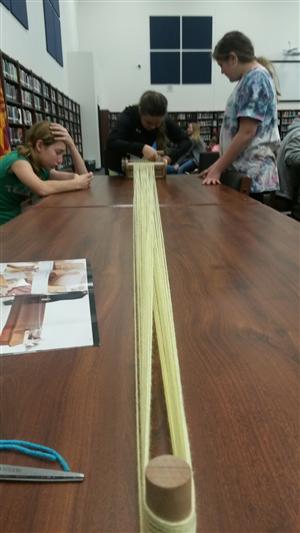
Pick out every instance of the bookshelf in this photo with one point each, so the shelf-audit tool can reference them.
(210, 121)
(29, 99)
(285, 118)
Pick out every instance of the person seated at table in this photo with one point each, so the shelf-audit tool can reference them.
(139, 127)
(30, 169)
(189, 161)
(288, 161)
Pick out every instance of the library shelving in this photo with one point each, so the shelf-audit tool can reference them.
(29, 99)
(209, 121)
(285, 118)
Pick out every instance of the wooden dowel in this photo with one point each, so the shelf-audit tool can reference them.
(169, 487)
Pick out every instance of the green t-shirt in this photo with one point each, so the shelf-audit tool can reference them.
(12, 191)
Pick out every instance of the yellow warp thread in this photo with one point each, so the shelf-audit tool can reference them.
(152, 302)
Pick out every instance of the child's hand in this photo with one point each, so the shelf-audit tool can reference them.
(149, 153)
(167, 159)
(210, 176)
(60, 133)
(83, 181)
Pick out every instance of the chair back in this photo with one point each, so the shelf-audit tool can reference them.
(104, 162)
(206, 159)
(230, 178)
(233, 179)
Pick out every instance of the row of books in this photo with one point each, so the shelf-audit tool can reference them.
(33, 100)
(16, 115)
(10, 70)
(29, 81)
(15, 136)
(11, 91)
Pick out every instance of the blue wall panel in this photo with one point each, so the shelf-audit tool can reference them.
(164, 33)
(49, 27)
(53, 32)
(165, 67)
(197, 33)
(196, 67)
(186, 65)
(6, 3)
(19, 10)
(58, 45)
(55, 5)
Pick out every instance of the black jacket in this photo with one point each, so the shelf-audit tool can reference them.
(129, 137)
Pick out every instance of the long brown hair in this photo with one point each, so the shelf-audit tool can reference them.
(272, 71)
(155, 104)
(240, 44)
(39, 131)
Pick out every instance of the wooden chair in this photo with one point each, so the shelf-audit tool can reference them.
(236, 181)
(230, 178)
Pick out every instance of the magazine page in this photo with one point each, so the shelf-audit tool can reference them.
(46, 305)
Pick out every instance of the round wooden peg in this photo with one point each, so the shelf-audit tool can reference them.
(169, 487)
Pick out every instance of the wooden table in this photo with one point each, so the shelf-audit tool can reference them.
(234, 275)
(114, 191)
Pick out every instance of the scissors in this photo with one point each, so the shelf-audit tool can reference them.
(25, 473)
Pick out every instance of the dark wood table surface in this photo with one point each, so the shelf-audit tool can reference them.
(178, 190)
(234, 276)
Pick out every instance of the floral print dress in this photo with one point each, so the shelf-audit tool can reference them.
(254, 97)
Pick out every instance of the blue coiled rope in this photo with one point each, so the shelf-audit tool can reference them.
(34, 450)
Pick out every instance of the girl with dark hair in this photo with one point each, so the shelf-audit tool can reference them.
(31, 168)
(249, 135)
(140, 128)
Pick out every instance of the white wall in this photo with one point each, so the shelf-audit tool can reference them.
(118, 34)
(81, 69)
(114, 35)
(29, 46)
(75, 78)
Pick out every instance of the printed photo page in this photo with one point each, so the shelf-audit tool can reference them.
(46, 305)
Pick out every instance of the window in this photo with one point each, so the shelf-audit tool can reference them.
(52, 28)
(180, 50)
(19, 10)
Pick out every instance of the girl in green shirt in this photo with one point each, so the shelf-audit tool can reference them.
(31, 168)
